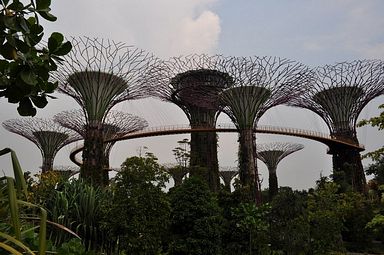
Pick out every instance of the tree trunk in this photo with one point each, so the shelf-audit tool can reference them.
(47, 164)
(247, 163)
(348, 168)
(92, 169)
(273, 185)
(204, 162)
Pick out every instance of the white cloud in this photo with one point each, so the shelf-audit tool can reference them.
(165, 27)
(199, 35)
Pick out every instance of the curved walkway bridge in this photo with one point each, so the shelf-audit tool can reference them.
(226, 127)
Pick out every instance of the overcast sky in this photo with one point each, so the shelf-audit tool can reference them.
(313, 32)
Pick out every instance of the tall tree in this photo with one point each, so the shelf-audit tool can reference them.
(116, 125)
(271, 154)
(259, 83)
(138, 210)
(48, 136)
(338, 94)
(99, 74)
(193, 83)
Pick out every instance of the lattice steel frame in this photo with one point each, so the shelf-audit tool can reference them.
(47, 135)
(259, 83)
(271, 154)
(98, 74)
(193, 83)
(116, 124)
(177, 172)
(338, 95)
(227, 175)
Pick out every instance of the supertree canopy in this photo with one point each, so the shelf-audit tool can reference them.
(259, 83)
(177, 172)
(115, 125)
(48, 136)
(271, 154)
(65, 172)
(194, 83)
(227, 174)
(98, 74)
(338, 94)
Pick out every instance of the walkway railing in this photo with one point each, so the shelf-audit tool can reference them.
(229, 127)
(226, 127)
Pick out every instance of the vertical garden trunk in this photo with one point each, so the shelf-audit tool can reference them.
(347, 165)
(247, 164)
(93, 155)
(47, 163)
(177, 179)
(106, 170)
(227, 184)
(204, 162)
(348, 168)
(273, 185)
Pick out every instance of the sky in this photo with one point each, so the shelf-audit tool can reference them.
(312, 32)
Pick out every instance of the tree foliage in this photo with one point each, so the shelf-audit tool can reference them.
(195, 219)
(378, 122)
(25, 64)
(137, 213)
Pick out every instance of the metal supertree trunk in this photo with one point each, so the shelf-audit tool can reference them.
(98, 74)
(338, 94)
(259, 84)
(228, 176)
(115, 125)
(193, 83)
(271, 154)
(48, 136)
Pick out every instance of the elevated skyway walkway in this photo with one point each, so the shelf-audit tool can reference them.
(227, 127)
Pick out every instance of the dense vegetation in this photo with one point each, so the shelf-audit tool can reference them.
(134, 215)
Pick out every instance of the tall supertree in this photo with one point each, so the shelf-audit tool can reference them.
(227, 174)
(98, 74)
(66, 171)
(177, 172)
(338, 94)
(271, 154)
(259, 83)
(48, 136)
(193, 83)
(115, 125)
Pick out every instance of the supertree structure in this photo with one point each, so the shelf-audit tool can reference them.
(48, 136)
(66, 171)
(271, 154)
(116, 124)
(177, 172)
(227, 174)
(338, 94)
(98, 74)
(259, 83)
(193, 83)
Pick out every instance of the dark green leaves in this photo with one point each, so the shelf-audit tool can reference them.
(25, 67)
(56, 45)
(28, 77)
(43, 5)
(26, 108)
(47, 16)
(8, 51)
(39, 101)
